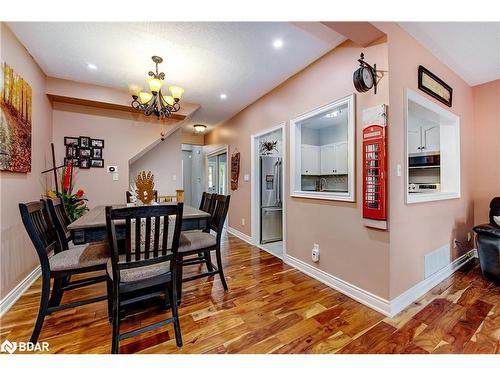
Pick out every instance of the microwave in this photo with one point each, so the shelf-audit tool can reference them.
(425, 160)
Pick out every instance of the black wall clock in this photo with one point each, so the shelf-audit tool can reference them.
(365, 77)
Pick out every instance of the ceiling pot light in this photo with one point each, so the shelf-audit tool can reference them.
(154, 102)
(199, 128)
(278, 43)
(223, 96)
(92, 66)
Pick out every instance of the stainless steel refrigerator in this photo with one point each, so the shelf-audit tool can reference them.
(271, 208)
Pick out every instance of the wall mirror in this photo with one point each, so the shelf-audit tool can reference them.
(322, 152)
(432, 150)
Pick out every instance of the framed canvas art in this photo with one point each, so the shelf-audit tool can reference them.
(15, 121)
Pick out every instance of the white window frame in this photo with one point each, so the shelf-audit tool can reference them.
(295, 153)
(449, 140)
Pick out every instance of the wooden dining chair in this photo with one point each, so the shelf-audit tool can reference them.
(145, 263)
(128, 196)
(197, 243)
(206, 202)
(61, 220)
(62, 264)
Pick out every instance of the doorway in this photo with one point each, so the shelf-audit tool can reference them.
(268, 183)
(217, 173)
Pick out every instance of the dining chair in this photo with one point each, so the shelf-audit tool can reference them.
(128, 196)
(206, 202)
(61, 220)
(62, 264)
(197, 243)
(144, 265)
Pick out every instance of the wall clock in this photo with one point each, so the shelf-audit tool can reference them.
(365, 77)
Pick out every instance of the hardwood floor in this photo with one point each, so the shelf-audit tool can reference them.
(273, 308)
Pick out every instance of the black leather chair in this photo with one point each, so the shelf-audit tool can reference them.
(488, 244)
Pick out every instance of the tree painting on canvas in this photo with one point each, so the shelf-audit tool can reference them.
(15, 121)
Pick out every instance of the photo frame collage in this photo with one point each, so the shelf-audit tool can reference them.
(84, 152)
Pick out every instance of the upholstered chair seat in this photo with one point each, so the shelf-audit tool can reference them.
(139, 273)
(196, 240)
(81, 256)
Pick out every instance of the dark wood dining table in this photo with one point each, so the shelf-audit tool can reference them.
(91, 227)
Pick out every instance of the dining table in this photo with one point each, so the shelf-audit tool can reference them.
(91, 227)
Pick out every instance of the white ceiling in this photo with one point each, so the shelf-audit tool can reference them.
(206, 59)
(471, 49)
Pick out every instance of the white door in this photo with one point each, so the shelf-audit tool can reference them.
(414, 141)
(217, 174)
(430, 138)
(327, 159)
(341, 158)
(310, 160)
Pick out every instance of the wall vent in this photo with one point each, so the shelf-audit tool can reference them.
(436, 260)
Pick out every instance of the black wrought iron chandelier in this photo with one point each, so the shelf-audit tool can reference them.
(154, 102)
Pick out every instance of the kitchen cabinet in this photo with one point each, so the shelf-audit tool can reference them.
(310, 160)
(423, 138)
(334, 159)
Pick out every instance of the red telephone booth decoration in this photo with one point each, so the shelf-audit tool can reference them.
(374, 172)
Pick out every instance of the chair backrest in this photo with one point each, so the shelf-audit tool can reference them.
(494, 210)
(151, 235)
(60, 220)
(219, 213)
(128, 195)
(206, 203)
(40, 229)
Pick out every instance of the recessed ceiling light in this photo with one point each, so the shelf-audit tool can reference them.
(92, 66)
(199, 128)
(223, 96)
(278, 43)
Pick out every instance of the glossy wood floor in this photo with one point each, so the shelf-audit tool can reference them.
(272, 308)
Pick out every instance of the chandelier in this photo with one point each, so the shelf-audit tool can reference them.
(154, 102)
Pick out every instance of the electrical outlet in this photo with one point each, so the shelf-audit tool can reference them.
(243, 221)
(315, 253)
(398, 170)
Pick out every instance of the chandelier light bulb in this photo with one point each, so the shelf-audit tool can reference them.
(134, 90)
(169, 100)
(154, 84)
(145, 97)
(176, 91)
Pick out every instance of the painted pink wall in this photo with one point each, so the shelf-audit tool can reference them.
(418, 229)
(487, 147)
(17, 256)
(349, 250)
(124, 137)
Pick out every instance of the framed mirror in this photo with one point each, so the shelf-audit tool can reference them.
(322, 152)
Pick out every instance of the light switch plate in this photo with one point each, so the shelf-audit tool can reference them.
(246, 177)
(115, 176)
(398, 171)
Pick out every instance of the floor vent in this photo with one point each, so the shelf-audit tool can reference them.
(436, 260)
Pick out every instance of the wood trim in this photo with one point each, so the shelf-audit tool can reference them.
(103, 105)
(10, 299)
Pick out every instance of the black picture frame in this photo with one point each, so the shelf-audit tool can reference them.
(97, 163)
(84, 163)
(84, 152)
(72, 141)
(430, 90)
(96, 153)
(71, 152)
(97, 143)
(84, 142)
(76, 161)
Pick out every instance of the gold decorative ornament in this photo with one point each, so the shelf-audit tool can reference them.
(145, 187)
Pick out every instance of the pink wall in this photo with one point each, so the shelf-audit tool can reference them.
(124, 137)
(418, 229)
(17, 256)
(349, 250)
(165, 162)
(486, 147)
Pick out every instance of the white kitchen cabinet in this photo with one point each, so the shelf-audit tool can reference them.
(327, 159)
(334, 159)
(414, 141)
(430, 138)
(423, 138)
(341, 158)
(310, 160)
